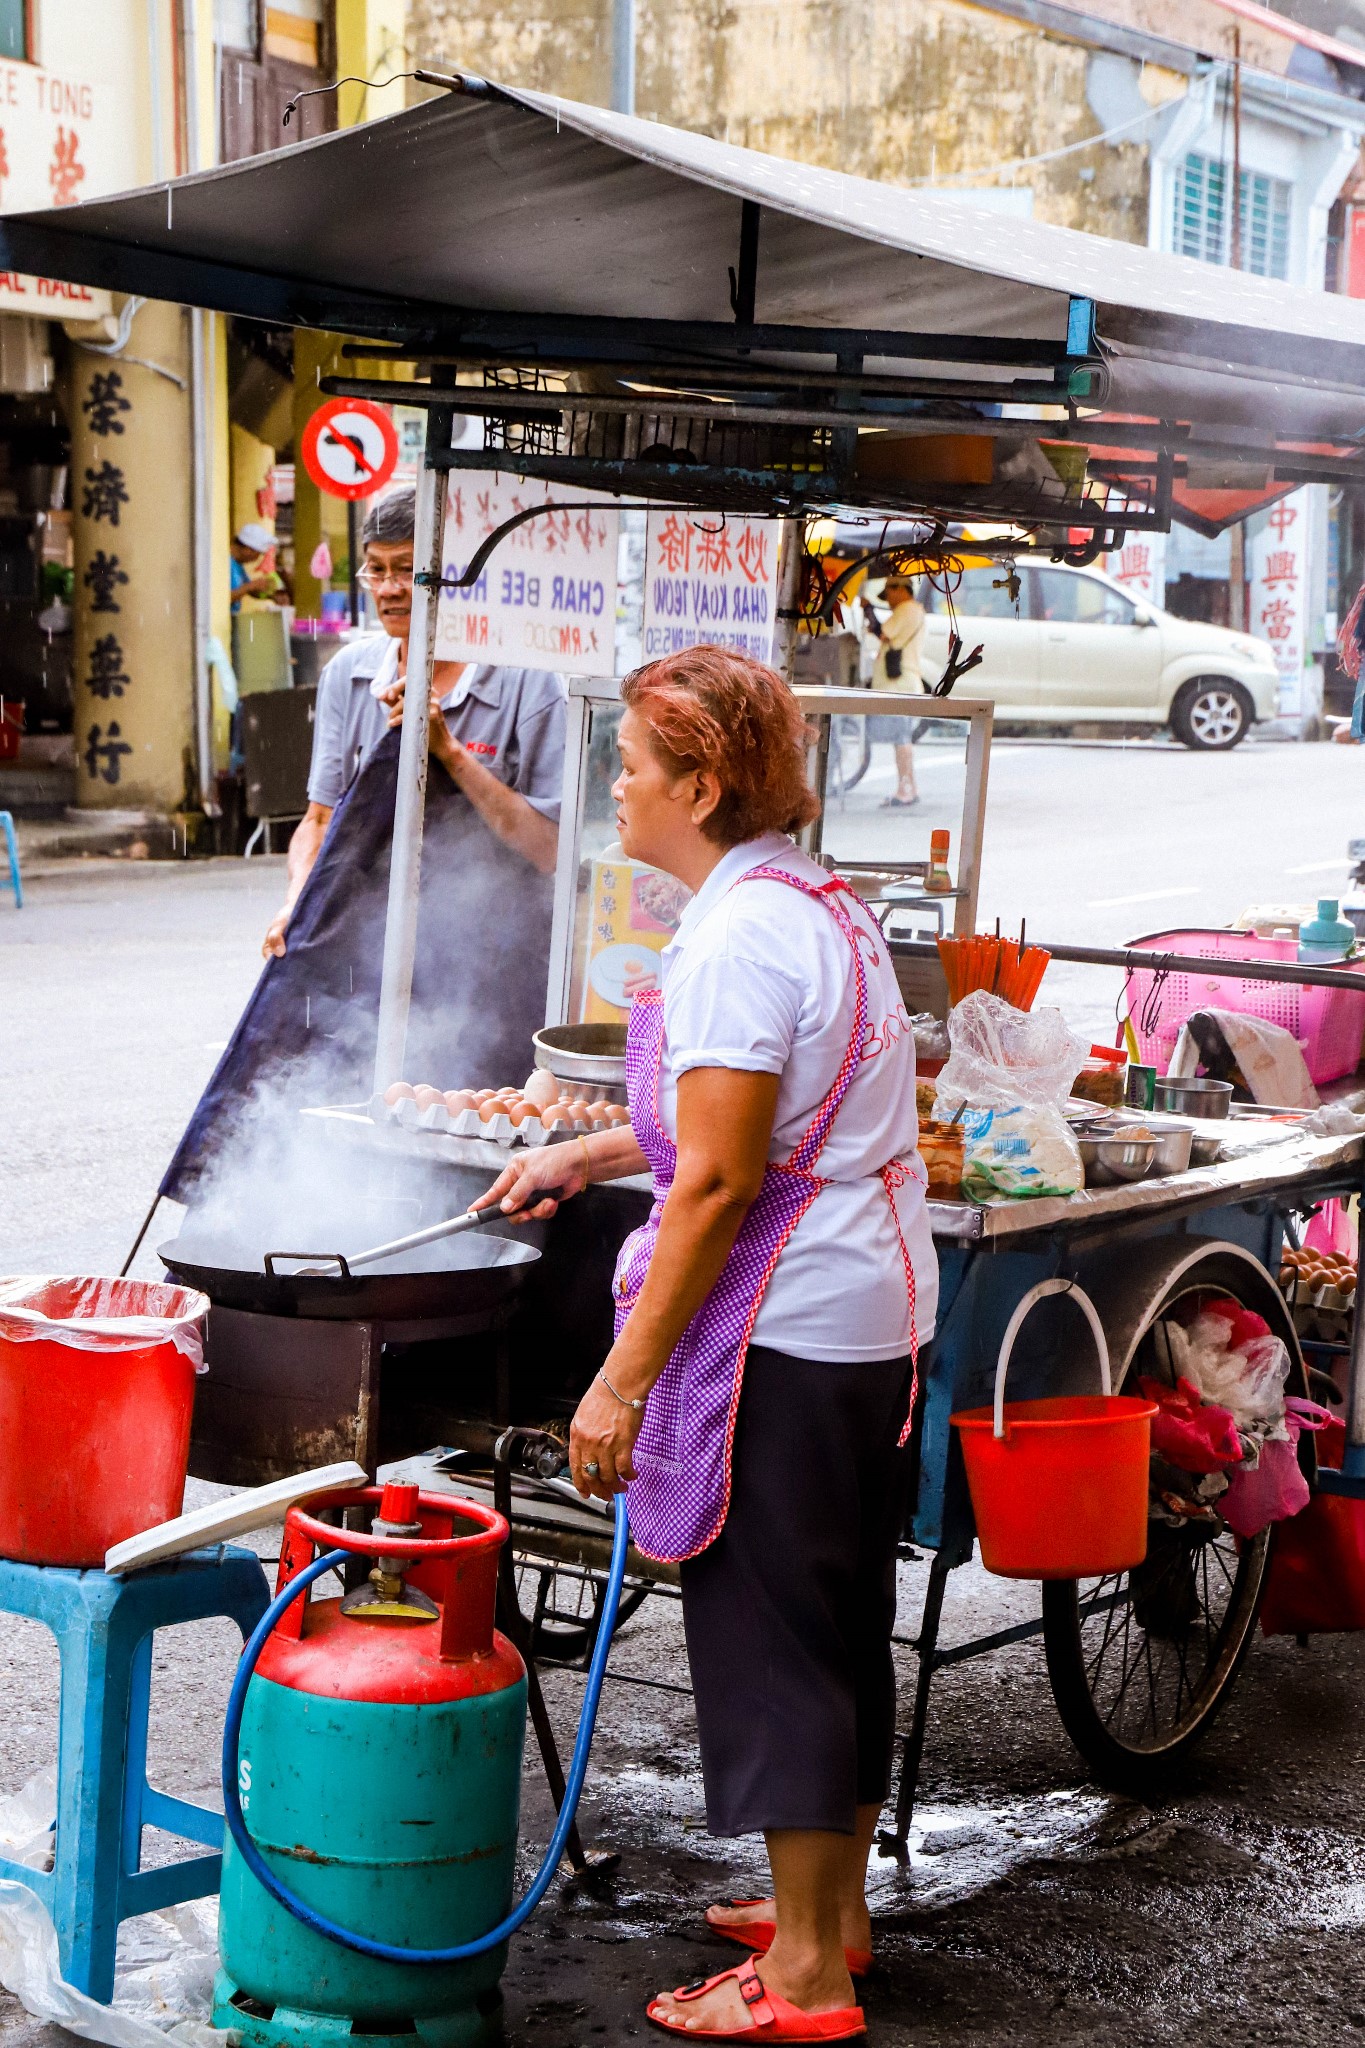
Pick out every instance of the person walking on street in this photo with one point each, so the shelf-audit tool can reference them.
(900, 637)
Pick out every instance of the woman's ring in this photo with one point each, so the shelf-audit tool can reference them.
(593, 1469)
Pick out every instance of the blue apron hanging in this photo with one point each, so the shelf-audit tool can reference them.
(308, 1032)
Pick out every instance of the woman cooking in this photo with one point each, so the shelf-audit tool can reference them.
(756, 1403)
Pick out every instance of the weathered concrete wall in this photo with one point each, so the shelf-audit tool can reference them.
(904, 91)
(1199, 24)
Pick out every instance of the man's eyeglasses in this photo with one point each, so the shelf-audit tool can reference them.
(375, 579)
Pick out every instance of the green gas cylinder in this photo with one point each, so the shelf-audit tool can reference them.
(380, 1777)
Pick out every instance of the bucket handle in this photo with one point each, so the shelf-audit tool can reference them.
(1024, 1308)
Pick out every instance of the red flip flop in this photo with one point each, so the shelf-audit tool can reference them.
(758, 1937)
(771, 2017)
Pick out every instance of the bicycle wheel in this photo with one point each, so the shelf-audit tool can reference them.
(1141, 1663)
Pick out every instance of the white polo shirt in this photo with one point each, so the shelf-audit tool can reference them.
(760, 978)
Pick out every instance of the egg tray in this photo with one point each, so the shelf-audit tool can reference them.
(1320, 1290)
(467, 1123)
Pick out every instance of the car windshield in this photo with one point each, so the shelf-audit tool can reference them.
(1078, 600)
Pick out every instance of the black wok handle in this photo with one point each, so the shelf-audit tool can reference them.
(308, 1258)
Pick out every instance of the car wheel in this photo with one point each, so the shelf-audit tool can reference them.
(1212, 714)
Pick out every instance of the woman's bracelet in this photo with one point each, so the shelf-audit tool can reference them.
(637, 1405)
(587, 1161)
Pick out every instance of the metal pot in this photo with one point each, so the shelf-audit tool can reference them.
(588, 1055)
(1173, 1146)
(1193, 1097)
(1108, 1161)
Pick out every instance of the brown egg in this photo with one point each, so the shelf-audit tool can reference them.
(617, 1114)
(490, 1109)
(599, 1114)
(482, 1095)
(556, 1117)
(522, 1112)
(399, 1091)
(541, 1088)
(458, 1100)
(507, 1094)
(428, 1098)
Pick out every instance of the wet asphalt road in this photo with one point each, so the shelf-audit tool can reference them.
(1034, 1909)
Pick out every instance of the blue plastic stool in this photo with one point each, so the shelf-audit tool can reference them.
(12, 849)
(104, 1629)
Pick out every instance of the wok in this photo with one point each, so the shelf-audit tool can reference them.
(460, 1276)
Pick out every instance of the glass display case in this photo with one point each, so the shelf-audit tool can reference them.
(613, 916)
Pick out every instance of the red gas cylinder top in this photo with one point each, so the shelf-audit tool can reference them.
(340, 1657)
(315, 1648)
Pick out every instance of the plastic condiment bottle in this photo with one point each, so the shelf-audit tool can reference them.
(938, 881)
(1326, 937)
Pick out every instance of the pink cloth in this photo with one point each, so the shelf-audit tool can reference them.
(1274, 1489)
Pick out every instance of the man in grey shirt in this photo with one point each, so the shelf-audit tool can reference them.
(499, 733)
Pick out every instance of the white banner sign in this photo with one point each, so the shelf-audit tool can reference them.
(1277, 579)
(710, 579)
(70, 129)
(546, 597)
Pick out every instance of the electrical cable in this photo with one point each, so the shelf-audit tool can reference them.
(346, 1937)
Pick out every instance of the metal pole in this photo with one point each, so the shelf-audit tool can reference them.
(1354, 1461)
(1235, 253)
(623, 56)
(405, 866)
(791, 545)
(201, 438)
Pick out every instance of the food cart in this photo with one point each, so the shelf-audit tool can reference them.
(562, 274)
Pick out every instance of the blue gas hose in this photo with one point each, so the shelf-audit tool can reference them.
(385, 1951)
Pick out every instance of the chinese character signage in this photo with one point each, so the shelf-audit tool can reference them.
(1277, 579)
(710, 579)
(546, 597)
(71, 129)
(1140, 566)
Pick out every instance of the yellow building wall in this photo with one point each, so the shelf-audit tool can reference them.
(903, 91)
(134, 624)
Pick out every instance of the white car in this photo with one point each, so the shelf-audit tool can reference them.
(1078, 648)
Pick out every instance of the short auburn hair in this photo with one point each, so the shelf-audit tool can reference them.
(709, 709)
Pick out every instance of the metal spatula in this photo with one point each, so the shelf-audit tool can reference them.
(454, 1226)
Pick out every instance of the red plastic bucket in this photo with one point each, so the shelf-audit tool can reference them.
(96, 1393)
(1059, 1487)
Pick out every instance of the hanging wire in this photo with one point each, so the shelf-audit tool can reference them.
(476, 86)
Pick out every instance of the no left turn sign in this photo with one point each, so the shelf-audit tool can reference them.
(349, 448)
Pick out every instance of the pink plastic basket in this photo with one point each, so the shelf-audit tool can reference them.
(1327, 1022)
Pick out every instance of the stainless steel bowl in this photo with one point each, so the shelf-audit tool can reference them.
(1173, 1147)
(588, 1054)
(1193, 1097)
(1108, 1161)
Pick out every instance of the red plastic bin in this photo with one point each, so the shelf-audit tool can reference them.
(1327, 1022)
(96, 1393)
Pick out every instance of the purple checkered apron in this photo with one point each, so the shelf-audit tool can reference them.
(681, 1490)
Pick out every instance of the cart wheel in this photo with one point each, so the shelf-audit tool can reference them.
(1140, 1663)
(566, 1612)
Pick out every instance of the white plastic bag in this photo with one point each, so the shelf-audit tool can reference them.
(1248, 1379)
(1005, 1081)
(163, 1988)
(96, 1314)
